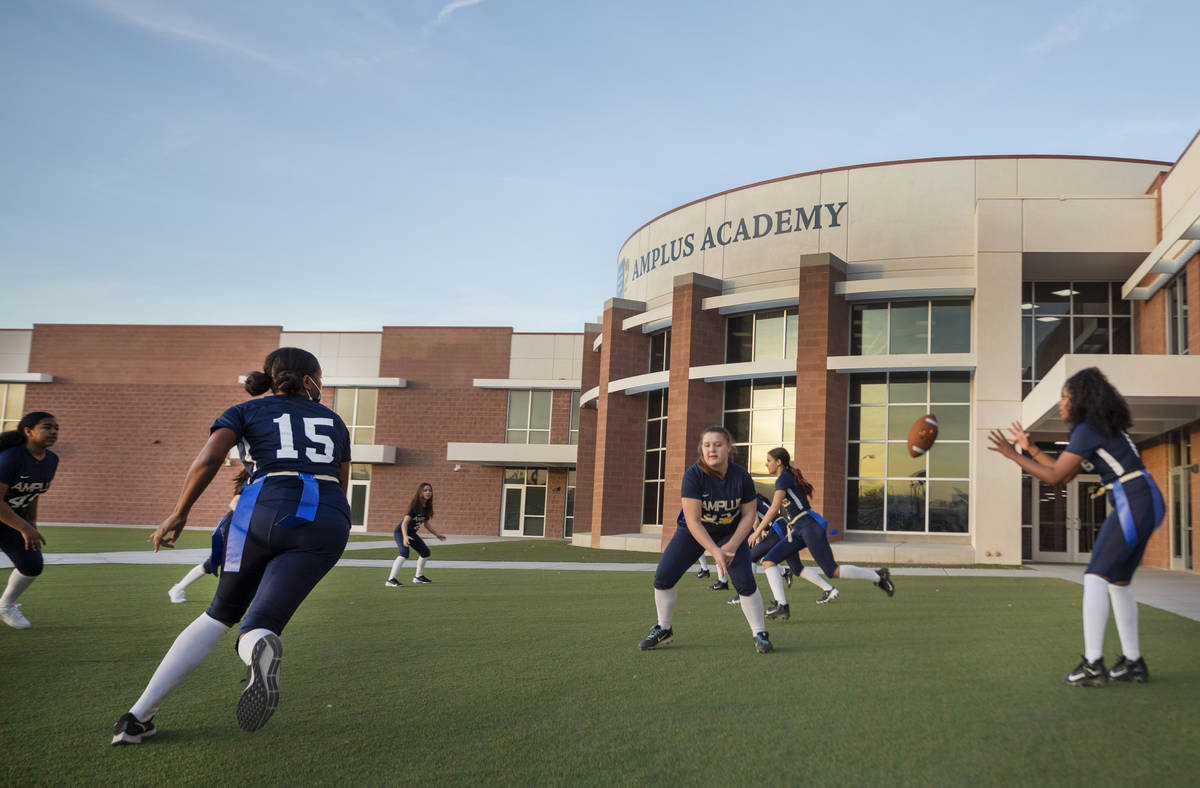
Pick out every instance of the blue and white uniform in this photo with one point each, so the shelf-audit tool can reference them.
(1137, 502)
(27, 478)
(416, 518)
(806, 527)
(292, 521)
(721, 503)
(775, 533)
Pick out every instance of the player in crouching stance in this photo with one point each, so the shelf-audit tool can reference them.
(806, 528)
(1099, 417)
(288, 530)
(719, 508)
(420, 512)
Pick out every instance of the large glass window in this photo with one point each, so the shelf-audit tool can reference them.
(761, 415)
(655, 475)
(660, 351)
(357, 408)
(1070, 317)
(528, 417)
(761, 336)
(1177, 316)
(569, 516)
(573, 434)
(887, 490)
(12, 405)
(904, 327)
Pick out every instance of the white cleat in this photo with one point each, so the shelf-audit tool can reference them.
(177, 594)
(12, 615)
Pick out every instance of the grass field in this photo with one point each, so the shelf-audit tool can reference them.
(89, 539)
(503, 677)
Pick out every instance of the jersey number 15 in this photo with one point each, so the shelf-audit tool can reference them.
(287, 447)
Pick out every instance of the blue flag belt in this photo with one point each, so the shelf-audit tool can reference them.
(239, 526)
(1121, 501)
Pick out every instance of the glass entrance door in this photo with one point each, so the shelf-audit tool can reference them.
(1180, 512)
(1067, 519)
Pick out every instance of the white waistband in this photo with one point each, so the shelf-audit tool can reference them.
(321, 477)
(1121, 479)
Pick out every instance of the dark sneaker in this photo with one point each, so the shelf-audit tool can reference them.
(702, 573)
(260, 698)
(787, 577)
(762, 643)
(737, 600)
(657, 637)
(130, 730)
(720, 585)
(781, 612)
(1088, 674)
(393, 583)
(828, 596)
(1126, 670)
(885, 581)
(421, 579)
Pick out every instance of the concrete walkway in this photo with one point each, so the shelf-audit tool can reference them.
(1175, 592)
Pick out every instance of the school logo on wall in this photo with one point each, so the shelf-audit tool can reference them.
(621, 266)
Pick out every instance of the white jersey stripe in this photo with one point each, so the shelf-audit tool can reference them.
(1117, 468)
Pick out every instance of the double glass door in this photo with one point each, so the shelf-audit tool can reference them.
(1067, 519)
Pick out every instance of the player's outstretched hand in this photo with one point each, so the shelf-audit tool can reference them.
(1000, 443)
(1019, 436)
(168, 533)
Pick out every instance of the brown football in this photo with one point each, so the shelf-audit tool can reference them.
(922, 434)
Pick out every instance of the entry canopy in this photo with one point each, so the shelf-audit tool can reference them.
(1163, 393)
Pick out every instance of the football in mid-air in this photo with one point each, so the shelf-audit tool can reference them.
(922, 434)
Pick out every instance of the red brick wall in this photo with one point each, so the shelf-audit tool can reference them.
(620, 430)
(1151, 318)
(586, 459)
(135, 404)
(1156, 456)
(697, 339)
(440, 405)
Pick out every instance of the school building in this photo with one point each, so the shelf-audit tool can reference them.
(823, 312)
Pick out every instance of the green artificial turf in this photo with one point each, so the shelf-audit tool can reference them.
(518, 550)
(91, 539)
(515, 678)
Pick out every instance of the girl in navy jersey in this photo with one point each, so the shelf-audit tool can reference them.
(806, 528)
(290, 527)
(719, 510)
(212, 564)
(420, 512)
(1099, 417)
(27, 467)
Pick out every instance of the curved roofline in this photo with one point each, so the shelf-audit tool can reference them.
(1168, 164)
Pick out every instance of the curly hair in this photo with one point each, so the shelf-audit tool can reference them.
(1094, 401)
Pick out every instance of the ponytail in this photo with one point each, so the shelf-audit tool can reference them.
(781, 454)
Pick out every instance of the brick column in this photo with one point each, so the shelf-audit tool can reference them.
(821, 395)
(585, 464)
(697, 339)
(620, 426)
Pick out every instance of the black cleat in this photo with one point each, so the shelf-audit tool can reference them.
(1127, 670)
(787, 576)
(421, 579)
(657, 637)
(260, 698)
(885, 581)
(762, 643)
(130, 730)
(828, 596)
(781, 612)
(393, 583)
(720, 585)
(1088, 674)
(702, 572)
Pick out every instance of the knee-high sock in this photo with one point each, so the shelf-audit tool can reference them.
(192, 576)
(664, 602)
(852, 572)
(17, 583)
(246, 643)
(399, 562)
(421, 565)
(191, 648)
(1125, 611)
(703, 563)
(814, 577)
(752, 609)
(775, 580)
(1095, 616)
(724, 578)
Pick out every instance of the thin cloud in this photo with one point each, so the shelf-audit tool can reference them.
(168, 21)
(1083, 20)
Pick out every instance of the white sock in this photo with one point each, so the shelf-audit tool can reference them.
(775, 580)
(17, 583)
(191, 648)
(752, 609)
(721, 575)
(852, 572)
(421, 566)
(399, 562)
(247, 641)
(1095, 616)
(1125, 611)
(192, 576)
(703, 563)
(664, 601)
(814, 577)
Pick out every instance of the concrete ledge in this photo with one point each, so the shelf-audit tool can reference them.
(638, 543)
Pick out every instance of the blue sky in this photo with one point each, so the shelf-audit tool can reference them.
(348, 165)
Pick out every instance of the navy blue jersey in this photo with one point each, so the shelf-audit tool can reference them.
(795, 502)
(281, 433)
(1110, 457)
(416, 520)
(720, 499)
(26, 476)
